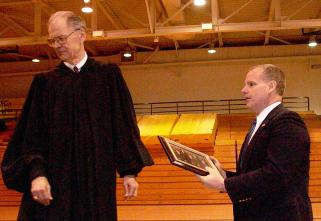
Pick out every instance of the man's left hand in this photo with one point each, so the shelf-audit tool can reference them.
(213, 180)
(131, 187)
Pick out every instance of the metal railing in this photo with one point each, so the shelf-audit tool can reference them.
(218, 106)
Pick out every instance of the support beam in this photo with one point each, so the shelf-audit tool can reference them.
(139, 45)
(203, 45)
(93, 17)
(176, 13)
(151, 13)
(236, 11)
(272, 12)
(163, 9)
(21, 3)
(277, 11)
(14, 25)
(151, 55)
(189, 29)
(228, 27)
(299, 9)
(168, 6)
(176, 47)
(275, 38)
(109, 14)
(47, 8)
(4, 31)
(215, 19)
(125, 14)
(37, 18)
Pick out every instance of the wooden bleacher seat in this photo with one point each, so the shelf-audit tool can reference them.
(170, 193)
(152, 125)
(165, 183)
(195, 129)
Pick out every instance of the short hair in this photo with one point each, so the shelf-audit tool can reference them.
(73, 20)
(273, 73)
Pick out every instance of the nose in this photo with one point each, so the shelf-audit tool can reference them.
(55, 44)
(244, 90)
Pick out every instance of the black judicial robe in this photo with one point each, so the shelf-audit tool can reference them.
(77, 130)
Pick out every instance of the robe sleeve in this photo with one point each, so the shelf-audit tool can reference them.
(130, 153)
(24, 158)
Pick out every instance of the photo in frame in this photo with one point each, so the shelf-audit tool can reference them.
(186, 157)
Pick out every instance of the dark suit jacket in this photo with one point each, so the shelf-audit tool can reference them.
(272, 184)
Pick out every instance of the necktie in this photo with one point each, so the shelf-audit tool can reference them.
(248, 138)
(246, 142)
(76, 70)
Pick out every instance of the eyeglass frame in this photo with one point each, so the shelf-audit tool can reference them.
(62, 39)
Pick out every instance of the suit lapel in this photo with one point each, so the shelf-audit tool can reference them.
(246, 155)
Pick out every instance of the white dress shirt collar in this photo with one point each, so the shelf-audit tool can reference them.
(261, 117)
(79, 65)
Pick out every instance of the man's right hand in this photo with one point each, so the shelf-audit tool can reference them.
(218, 166)
(40, 190)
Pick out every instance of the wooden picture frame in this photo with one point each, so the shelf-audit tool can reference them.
(186, 157)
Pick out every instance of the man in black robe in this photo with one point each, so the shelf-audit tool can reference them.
(77, 128)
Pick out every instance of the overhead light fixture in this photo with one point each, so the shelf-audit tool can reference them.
(35, 60)
(98, 33)
(207, 26)
(86, 1)
(156, 39)
(127, 54)
(87, 9)
(211, 49)
(312, 41)
(199, 2)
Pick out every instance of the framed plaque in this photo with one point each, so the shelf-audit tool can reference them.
(186, 157)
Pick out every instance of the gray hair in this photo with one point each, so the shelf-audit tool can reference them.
(273, 73)
(73, 20)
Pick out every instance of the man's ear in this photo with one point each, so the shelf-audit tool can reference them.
(83, 35)
(272, 86)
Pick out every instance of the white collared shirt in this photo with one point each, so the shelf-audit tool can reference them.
(260, 118)
(79, 65)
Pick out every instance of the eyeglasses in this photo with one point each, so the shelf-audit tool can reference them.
(60, 39)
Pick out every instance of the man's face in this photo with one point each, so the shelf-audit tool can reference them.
(68, 42)
(256, 90)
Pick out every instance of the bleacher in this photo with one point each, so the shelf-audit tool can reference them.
(169, 193)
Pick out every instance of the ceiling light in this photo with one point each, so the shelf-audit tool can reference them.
(36, 60)
(87, 9)
(199, 2)
(211, 49)
(207, 26)
(156, 39)
(127, 54)
(86, 1)
(98, 33)
(312, 41)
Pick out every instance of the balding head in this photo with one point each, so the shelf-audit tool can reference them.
(73, 20)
